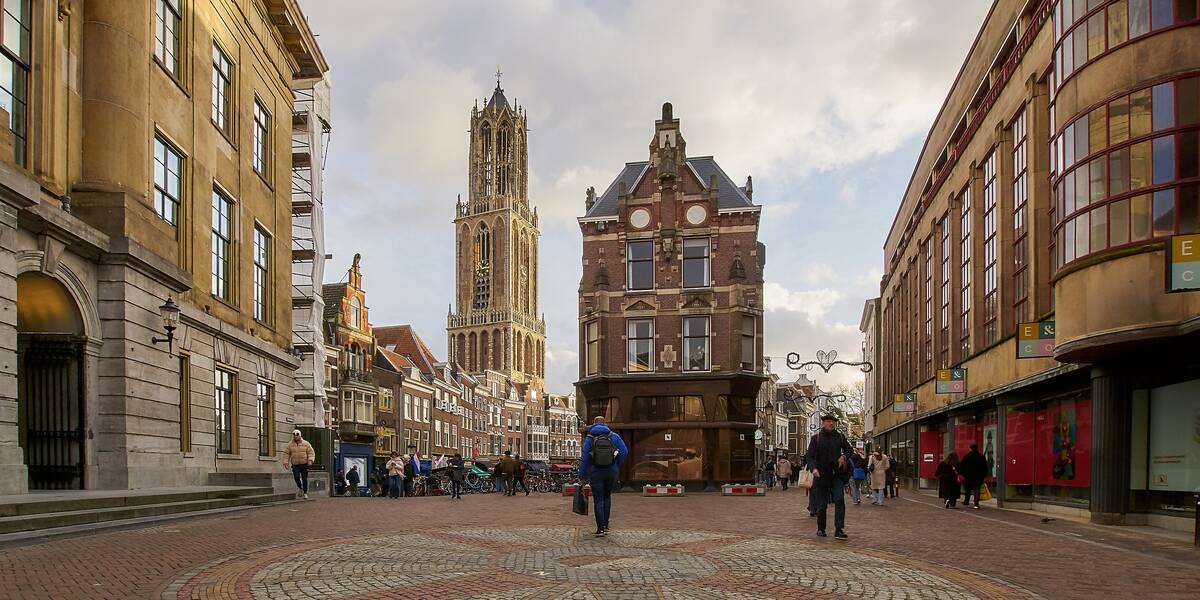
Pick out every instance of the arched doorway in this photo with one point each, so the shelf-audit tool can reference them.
(50, 384)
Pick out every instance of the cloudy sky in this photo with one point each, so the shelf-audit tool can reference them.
(825, 102)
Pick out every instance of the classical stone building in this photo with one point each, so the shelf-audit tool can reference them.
(494, 322)
(670, 314)
(1062, 163)
(179, 190)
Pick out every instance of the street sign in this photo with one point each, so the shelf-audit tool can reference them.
(1183, 263)
(951, 381)
(904, 403)
(1035, 340)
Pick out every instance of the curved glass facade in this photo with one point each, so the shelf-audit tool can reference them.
(1128, 171)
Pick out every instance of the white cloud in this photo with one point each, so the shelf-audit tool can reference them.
(807, 96)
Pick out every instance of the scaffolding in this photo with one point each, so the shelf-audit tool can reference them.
(310, 137)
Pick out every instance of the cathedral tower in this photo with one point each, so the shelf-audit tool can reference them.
(494, 322)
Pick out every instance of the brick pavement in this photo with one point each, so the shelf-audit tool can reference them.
(698, 546)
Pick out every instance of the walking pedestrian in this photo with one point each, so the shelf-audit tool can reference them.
(974, 470)
(890, 489)
(602, 455)
(339, 483)
(769, 473)
(829, 460)
(354, 478)
(878, 467)
(299, 456)
(509, 466)
(395, 474)
(858, 474)
(783, 469)
(522, 473)
(948, 482)
(410, 473)
(456, 476)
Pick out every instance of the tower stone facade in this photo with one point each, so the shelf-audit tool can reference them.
(494, 322)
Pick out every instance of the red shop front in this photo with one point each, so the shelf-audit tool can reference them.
(1048, 450)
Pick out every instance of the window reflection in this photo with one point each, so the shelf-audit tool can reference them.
(668, 455)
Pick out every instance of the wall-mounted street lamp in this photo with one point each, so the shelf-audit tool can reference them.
(169, 311)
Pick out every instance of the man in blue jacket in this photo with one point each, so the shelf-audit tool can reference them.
(603, 453)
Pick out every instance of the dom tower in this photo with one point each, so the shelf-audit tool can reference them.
(494, 322)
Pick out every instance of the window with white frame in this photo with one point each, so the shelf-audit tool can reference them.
(639, 345)
(261, 149)
(168, 21)
(695, 344)
(695, 262)
(222, 91)
(222, 243)
(168, 170)
(224, 393)
(262, 245)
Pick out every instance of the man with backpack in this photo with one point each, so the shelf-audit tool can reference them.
(603, 453)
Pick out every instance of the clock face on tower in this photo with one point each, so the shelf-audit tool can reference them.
(639, 218)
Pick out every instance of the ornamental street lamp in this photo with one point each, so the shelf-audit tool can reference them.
(169, 311)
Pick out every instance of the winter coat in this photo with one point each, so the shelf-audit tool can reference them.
(585, 458)
(456, 469)
(395, 466)
(353, 477)
(947, 476)
(877, 470)
(824, 450)
(299, 453)
(974, 469)
(783, 468)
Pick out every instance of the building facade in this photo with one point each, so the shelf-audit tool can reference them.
(494, 322)
(192, 206)
(1061, 164)
(563, 421)
(670, 315)
(868, 325)
(356, 399)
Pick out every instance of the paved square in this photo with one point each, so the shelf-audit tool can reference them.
(701, 546)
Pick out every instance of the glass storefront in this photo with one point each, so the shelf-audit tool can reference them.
(980, 429)
(1166, 452)
(1048, 450)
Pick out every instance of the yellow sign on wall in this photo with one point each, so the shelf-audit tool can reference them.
(1183, 263)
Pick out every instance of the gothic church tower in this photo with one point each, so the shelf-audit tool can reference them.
(494, 323)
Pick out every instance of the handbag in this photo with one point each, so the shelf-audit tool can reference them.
(579, 504)
(984, 493)
(806, 479)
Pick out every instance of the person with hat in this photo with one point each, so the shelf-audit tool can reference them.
(298, 456)
(828, 457)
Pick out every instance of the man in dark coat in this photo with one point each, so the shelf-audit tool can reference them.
(974, 470)
(828, 458)
(354, 478)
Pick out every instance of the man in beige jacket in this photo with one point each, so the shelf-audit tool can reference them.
(299, 455)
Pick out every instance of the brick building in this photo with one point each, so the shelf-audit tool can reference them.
(670, 314)
(355, 395)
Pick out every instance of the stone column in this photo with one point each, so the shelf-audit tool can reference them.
(1111, 400)
(13, 475)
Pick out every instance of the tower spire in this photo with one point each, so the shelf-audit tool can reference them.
(498, 74)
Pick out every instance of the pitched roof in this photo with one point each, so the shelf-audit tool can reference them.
(332, 294)
(398, 362)
(403, 340)
(498, 100)
(729, 195)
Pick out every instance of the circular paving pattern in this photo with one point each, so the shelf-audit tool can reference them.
(567, 562)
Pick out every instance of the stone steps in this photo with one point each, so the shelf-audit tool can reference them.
(32, 516)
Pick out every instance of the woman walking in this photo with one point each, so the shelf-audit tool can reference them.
(890, 489)
(948, 480)
(878, 466)
(783, 470)
(395, 474)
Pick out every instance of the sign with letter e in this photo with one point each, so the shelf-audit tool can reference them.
(1183, 263)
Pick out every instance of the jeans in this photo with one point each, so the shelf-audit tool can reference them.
(393, 486)
(877, 496)
(969, 491)
(830, 487)
(300, 474)
(500, 480)
(603, 481)
(770, 479)
(856, 490)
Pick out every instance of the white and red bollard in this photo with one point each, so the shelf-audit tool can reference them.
(668, 489)
(743, 489)
(569, 489)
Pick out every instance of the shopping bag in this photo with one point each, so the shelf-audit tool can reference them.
(985, 493)
(579, 504)
(806, 479)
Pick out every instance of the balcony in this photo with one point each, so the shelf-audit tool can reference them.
(352, 428)
(490, 316)
(356, 376)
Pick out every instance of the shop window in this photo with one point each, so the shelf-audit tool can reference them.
(668, 455)
(1174, 454)
(740, 408)
(1048, 448)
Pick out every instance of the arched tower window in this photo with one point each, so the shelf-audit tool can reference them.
(481, 264)
(504, 160)
(355, 313)
(486, 134)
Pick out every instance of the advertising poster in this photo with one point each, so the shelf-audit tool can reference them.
(1175, 437)
(1064, 444)
(989, 449)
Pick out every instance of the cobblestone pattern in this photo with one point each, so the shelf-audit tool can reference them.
(987, 553)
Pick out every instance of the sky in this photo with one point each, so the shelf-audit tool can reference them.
(826, 103)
